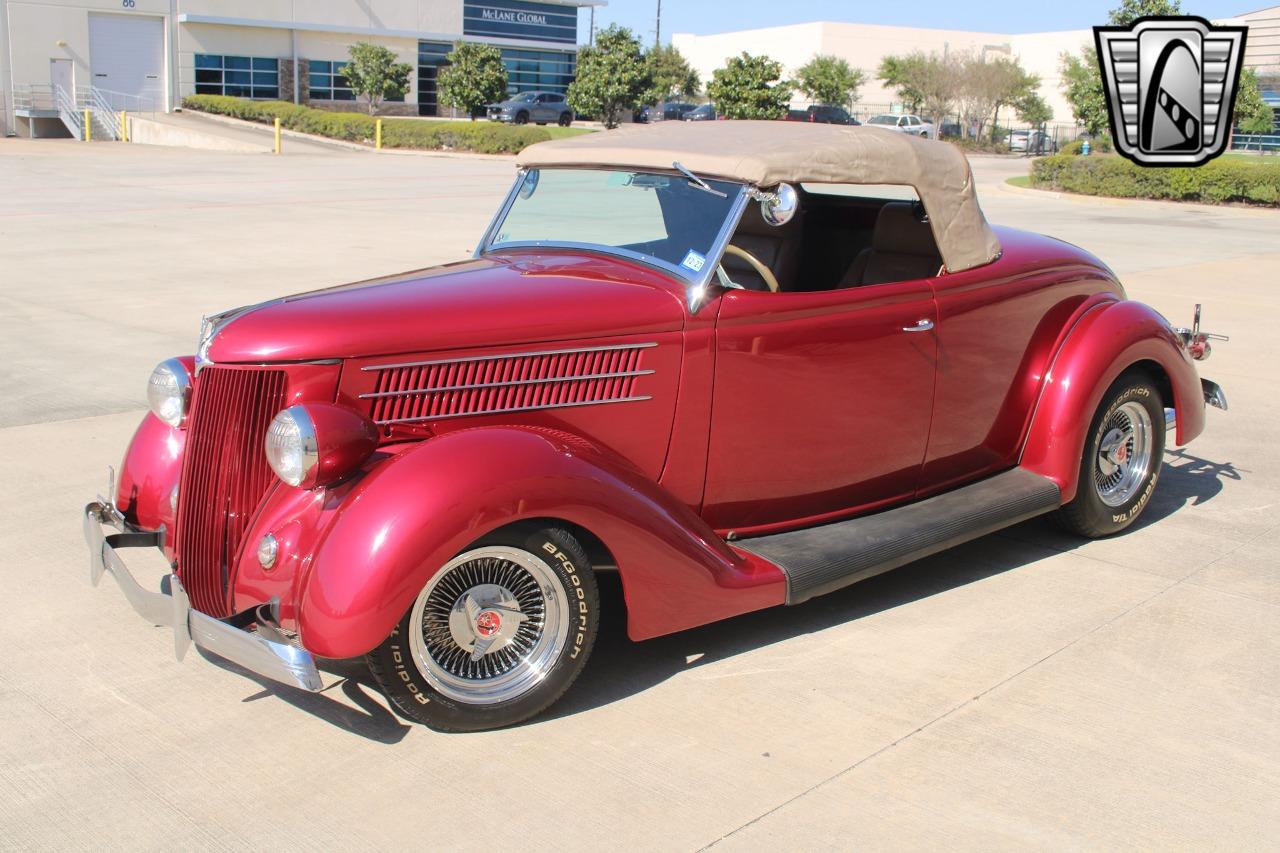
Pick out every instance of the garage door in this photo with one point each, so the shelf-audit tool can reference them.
(126, 54)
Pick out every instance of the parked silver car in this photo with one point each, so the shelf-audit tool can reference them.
(912, 124)
(536, 107)
(1032, 142)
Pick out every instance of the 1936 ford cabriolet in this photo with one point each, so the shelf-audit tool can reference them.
(739, 363)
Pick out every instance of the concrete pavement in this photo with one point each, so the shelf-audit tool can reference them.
(1026, 690)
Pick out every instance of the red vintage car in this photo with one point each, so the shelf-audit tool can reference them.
(741, 364)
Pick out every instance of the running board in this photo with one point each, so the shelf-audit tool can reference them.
(819, 560)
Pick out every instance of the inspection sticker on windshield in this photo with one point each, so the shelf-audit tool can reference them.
(694, 261)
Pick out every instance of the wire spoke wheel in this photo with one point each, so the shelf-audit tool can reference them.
(1124, 454)
(489, 626)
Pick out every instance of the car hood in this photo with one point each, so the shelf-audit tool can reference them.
(511, 297)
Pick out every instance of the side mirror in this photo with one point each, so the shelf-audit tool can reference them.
(778, 207)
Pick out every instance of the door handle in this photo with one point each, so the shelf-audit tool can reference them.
(920, 326)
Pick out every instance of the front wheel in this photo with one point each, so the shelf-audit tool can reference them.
(521, 118)
(496, 636)
(1122, 456)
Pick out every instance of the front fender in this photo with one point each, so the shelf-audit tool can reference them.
(150, 469)
(416, 510)
(1103, 344)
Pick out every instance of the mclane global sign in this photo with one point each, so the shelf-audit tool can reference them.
(1171, 85)
(520, 19)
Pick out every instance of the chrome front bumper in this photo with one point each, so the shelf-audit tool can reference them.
(265, 650)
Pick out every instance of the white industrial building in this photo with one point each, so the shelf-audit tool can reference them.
(865, 45)
(149, 54)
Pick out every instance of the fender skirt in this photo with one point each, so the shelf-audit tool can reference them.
(416, 510)
(1103, 344)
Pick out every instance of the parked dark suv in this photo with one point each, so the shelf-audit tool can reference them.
(822, 115)
(662, 112)
(536, 107)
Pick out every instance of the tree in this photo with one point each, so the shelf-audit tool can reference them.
(612, 76)
(899, 73)
(1082, 87)
(1252, 114)
(750, 87)
(1032, 109)
(1131, 10)
(374, 73)
(928, 82)
(672, 75)
(829, 80)
(474, 77)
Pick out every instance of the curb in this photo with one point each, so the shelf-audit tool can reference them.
(344, 144)
(1154, 203)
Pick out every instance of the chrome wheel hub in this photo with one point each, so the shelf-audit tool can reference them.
(490, 625)
(1124, 454)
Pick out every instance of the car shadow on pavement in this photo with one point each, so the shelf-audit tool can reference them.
(620, 668)
(364, 712)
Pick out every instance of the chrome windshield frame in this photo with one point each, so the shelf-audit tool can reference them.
(697, 286)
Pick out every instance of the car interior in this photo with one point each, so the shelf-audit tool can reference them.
(834, 242)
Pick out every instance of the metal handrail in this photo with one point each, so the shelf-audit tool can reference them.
(67, 111)
(125, 101)
(92, 99)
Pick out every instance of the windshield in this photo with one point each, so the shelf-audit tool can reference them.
(524, 97)
(883, 120)
(662, 219)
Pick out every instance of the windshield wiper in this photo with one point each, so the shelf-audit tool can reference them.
(698, 182)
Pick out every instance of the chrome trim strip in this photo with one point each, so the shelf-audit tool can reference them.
(511, 411)
(696, 293)
(254, 651)
(494, 357)
(500, 215)
(622, 374)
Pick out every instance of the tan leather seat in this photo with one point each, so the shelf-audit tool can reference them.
(778, 247)
(902, 248)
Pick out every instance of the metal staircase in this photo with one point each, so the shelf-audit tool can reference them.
(103, 108)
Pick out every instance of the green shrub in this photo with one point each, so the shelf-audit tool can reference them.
(1100, 144)
(1215, 182)
(480, 137)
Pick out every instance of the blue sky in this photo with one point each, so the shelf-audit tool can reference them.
(1028, 16)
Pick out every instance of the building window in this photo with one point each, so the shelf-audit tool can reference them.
(431, 58)
(541, 70)
(328, 84)
(237, 76)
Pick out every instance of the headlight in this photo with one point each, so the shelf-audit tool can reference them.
(169, 391)
(315, 444)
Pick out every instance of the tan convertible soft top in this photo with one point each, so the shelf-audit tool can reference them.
(765, 153)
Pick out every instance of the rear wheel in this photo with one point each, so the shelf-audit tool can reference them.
(1121, 462)
(496, 636)
(565, 120)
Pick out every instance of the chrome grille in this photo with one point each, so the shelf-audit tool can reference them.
(515, 382)
(224, 476)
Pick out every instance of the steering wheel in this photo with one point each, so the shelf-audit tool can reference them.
(764, 272)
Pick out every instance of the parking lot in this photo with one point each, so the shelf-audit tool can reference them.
(1025, 690)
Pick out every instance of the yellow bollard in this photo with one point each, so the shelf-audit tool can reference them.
(88, 126)
(277, 124)
(377, 134)
(124, 125)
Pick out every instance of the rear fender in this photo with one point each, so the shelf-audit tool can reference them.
(1103, 344)
(415, 511)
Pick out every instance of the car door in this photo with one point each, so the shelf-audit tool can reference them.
(822, 402)
(546, 109)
